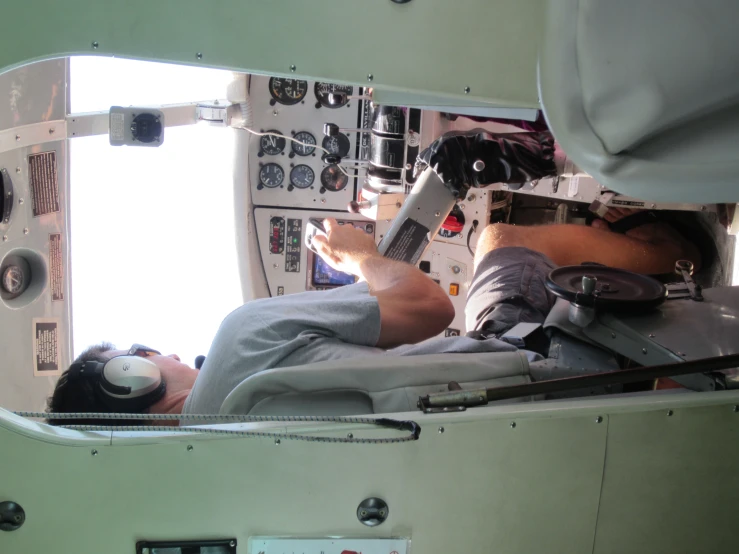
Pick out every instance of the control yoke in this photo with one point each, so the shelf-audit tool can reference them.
(452, 165)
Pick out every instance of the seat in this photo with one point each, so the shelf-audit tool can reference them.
(644, 96)
(372, 385)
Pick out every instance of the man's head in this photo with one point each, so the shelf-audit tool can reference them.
(81, 394)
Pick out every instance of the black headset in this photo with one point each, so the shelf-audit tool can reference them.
(125, 384)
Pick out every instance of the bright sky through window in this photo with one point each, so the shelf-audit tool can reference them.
(153, 243)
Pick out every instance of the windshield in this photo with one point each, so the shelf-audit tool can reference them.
(153, 243)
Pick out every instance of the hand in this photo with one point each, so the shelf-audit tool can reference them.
(345, 248)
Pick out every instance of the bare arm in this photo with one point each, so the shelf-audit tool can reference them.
(412, 307)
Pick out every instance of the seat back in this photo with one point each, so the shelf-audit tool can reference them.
(372, 385)
(644, 96)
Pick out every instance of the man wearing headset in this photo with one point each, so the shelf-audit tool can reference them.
(395, 309)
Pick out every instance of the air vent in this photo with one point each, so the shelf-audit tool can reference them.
(23, 277)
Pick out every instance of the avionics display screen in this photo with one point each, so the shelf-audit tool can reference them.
(325, 275)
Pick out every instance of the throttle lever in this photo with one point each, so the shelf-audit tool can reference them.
(314, 227)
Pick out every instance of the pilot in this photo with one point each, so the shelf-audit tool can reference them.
(395, 309)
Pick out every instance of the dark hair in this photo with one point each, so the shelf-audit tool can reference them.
(80, 395)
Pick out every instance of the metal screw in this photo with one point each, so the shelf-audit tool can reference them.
(613, 335)
(232, 544)
(275, 266)
(370, 77)
(20, 201)
(17, 138)
(441, 430)
(398, 204)
(25, 231)
(669, 413)
(275, 113)
(5, 238)
(95, 45)
(703, 208)
(437, 214)
(408, 167)
(513, 424)
(599, 419)
(293, 68)
(350, 436)
(199, 55)
(455, 269)
(466, 90)
(653, 206)
(363, 513)
(478, 165)
(382, 513)
(18, 170)
(323, 200)
(643, 350)
(651, 335)
(461, 206)
(51, 131)
(277, 442)
(471, 198)
(190, 448)
(94, 452)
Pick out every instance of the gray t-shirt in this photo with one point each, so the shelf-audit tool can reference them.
(299, 329)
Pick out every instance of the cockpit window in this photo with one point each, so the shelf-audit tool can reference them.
(152, 235)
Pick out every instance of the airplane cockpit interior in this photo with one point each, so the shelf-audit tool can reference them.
(316, 214)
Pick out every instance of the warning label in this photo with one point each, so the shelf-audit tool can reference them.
(44, 183)
(409, 243)
(46, 347)
(574, 186)
(56, 267)
(631, 203)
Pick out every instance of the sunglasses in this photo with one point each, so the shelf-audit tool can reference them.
(143, 351)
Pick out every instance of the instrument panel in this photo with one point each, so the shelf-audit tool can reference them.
(293, 173)
(291, 182)
(290, 267)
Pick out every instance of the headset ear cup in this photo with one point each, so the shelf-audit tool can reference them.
(110, 388)
(130, 384)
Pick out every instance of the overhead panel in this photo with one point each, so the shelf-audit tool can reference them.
(434, 46)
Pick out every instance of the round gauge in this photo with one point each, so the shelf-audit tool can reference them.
(14, 280)
(333, 179)
(322, 91)
(271, 175)
(272, 144)
(337, 145)
(300, 149)
(287, 91)
(302, 176)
